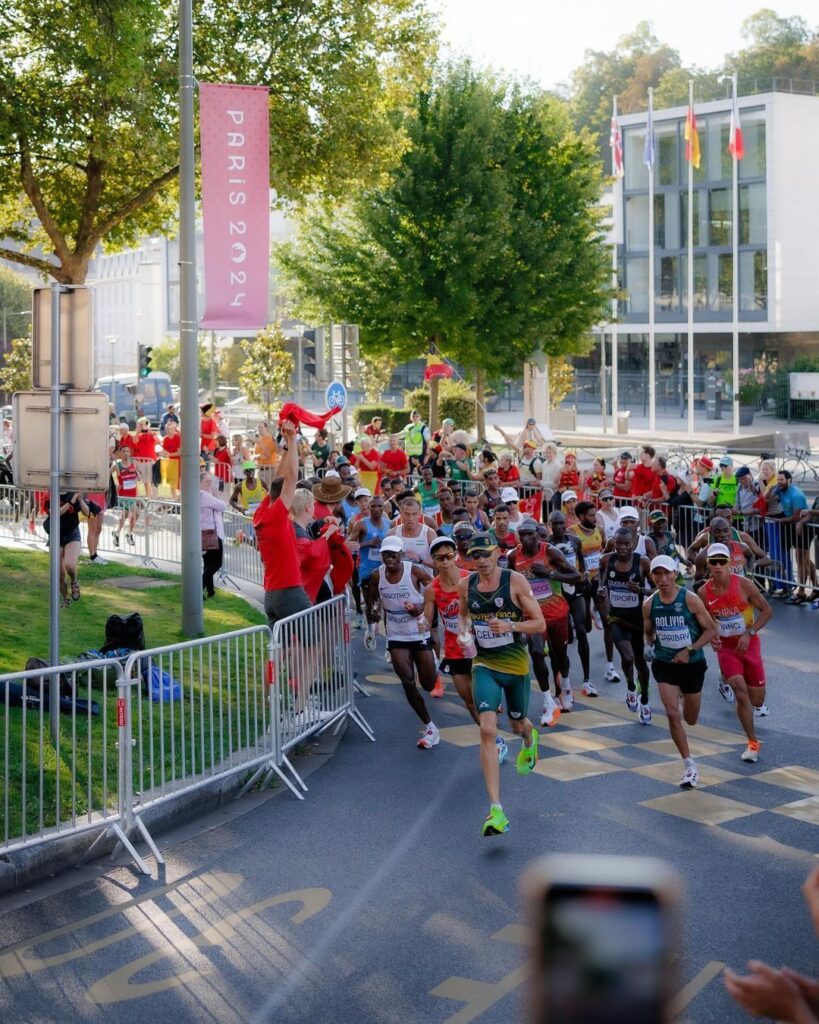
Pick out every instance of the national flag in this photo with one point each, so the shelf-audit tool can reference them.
(736, 147)
(650, 149)
(436, 367)
(616, 144)
(692, 138)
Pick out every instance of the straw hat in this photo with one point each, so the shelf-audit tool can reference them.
(331, 491)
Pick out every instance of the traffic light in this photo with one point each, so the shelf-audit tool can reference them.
(309, 350)
(144, 360)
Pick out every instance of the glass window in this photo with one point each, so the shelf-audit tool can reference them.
(637, 285)
(666, 167)
(634, 140)
(667, 289)
(637, 223)
(700, 282)
(700, 218)
(721, 283)
(753, 226)
(720, 203)
(753, 280)
(754, 163)
(718, 130)
(667, 220)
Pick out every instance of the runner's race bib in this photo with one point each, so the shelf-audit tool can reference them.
(623, 598)
(675, 638)
(541, 588)
(451, 623)
(733, 625)
(486, 638)
(592, 561)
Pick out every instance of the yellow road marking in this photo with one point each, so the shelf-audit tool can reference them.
(18, 959)
(695, 986)
(117, 986)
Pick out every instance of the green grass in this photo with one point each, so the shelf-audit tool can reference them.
(195, 735)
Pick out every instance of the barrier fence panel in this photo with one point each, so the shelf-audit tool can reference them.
(200, 710)
(48, 791)
(241, 556)
(312, 665)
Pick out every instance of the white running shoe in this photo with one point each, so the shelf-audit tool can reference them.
(612, 675)
(369, 639)
(631, 700)
(387, 657)
(566, 700)
(645, 714)
(598, 622)
(550, 715)
(725, 691)
(429, 738)
(762, 711)
(690, 777)
(358, 619)
(751, 752)
(503, 750)
(589, 689)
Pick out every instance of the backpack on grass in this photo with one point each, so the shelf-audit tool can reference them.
(127, 632)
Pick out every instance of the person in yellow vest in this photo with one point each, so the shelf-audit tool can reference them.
(248, 495)
(416, 440)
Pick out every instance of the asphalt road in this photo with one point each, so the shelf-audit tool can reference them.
(378, 900)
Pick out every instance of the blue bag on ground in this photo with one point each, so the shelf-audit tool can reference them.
(158, 684)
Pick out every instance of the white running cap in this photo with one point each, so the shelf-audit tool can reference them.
(629, 512)
(392, 544)
(663, 562)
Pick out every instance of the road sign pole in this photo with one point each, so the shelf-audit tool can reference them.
(54, 519)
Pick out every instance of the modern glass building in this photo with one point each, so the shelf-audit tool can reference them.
(778, 243)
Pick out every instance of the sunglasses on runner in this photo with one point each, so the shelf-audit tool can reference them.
(445, 556)
(717, 561)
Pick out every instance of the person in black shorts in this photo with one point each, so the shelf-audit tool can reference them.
(71, 505)
(678, 624)
(623, 575)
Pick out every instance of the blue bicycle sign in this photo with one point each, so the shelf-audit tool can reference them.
(336, 395)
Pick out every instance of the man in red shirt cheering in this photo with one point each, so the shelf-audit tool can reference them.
(394, 460)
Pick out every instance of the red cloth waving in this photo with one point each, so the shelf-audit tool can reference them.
(295, 413)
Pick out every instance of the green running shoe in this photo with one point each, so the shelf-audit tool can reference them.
(527, 758)
(496, 823)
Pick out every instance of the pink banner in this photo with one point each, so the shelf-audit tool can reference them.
(234, 134)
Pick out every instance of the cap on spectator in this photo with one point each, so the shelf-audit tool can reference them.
(482, 543)
(448, 422)
(362, 492)
(342, 460)
(463, 528)
(393, 544)
(124, 426)
(508, 495)
(459, 444)
(330, 490)
(627, 455)
(331, 472)
(527, 526)
(530, 444)
(726, 460)
(607, 492)
(628, 512)
(717, 551)
(207, 408)
(568, 496)
(705, 461)
(250, 464)
(663, 562)
(440, 542)
(657, 516)
(743, 471)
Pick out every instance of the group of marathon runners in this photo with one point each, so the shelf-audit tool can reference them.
(511, 601)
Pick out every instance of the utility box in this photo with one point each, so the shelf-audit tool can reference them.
(713, 396)
(563, 419)
(622, 422)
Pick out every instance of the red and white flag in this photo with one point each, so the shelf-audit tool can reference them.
(616, 144)
(736, 147)
(235, 205)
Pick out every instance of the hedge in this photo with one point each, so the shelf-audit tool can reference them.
(456, 400)
(392, 419)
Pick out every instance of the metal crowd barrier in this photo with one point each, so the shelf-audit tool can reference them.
(170, 721)
(312, 664)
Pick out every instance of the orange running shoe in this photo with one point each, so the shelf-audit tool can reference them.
(439, 689)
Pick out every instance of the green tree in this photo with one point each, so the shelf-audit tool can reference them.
(166, 356)
(777, 48)
(89, 119)
(231, 363)
(483, 242)
(267, 372)
(15, 373)
(376, 372)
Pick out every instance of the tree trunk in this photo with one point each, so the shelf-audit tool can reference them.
(480, 402)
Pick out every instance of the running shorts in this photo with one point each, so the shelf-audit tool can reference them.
(557, 632)
(747, 664)
(689, 678)
(627, 632)
(459, 666)
(491, 688)
(410, 645)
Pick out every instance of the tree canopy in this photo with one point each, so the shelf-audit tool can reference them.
(484, 240)
(89, 119)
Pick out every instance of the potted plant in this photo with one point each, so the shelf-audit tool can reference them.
(749, 394)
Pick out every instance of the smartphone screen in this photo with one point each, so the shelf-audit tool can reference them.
(603, 956)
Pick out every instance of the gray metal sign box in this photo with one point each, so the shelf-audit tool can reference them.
(76, 339)
(84, 456)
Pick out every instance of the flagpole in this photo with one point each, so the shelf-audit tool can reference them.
(615, 405)
(691, 269)
(652, 383)
(735, 281)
